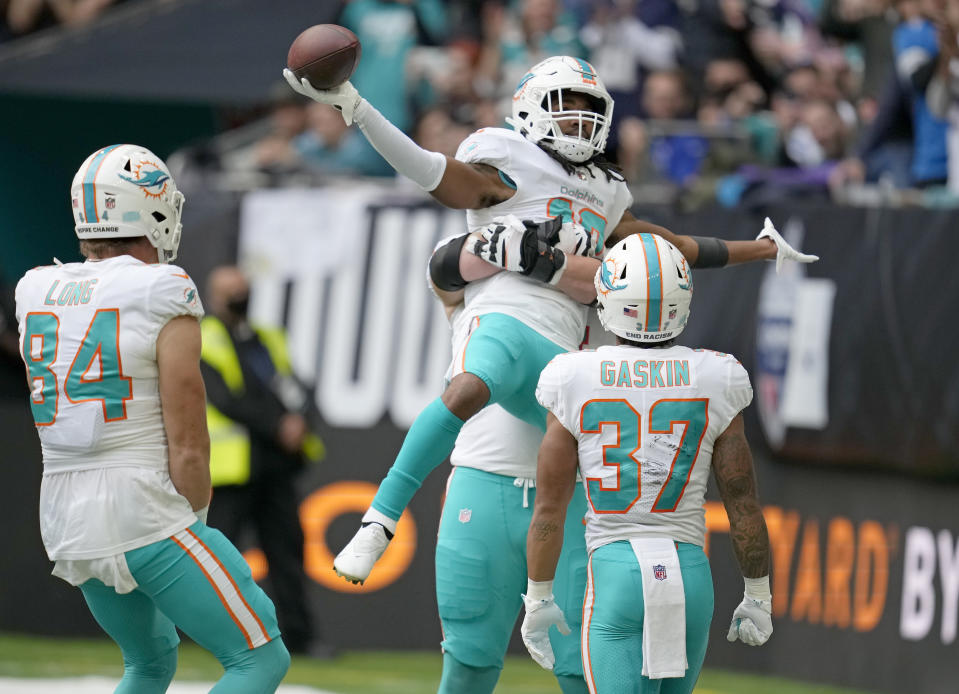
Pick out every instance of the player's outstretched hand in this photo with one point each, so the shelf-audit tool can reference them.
(343, 98)
(752, 622)
(783, 250)
(540, 616)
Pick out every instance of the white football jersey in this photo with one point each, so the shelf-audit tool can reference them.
(88, 337)
(492, 440)
(543, 190)
(645, 421)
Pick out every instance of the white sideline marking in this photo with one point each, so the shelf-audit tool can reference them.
(106, 685)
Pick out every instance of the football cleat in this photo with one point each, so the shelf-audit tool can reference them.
(356, 560)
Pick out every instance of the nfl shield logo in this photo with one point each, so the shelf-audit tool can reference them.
(465, 515)
(111, 203)
(659, 572)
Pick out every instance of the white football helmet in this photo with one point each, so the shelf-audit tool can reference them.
(538, 107)
(643, 289)
(123, 191)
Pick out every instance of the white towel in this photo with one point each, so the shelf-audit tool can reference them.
(664, 622)
(112, 571)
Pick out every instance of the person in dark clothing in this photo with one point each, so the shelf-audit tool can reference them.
(260, 439)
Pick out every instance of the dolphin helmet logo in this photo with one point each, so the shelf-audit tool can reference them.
(609, 278)
(685, 281)
(150, 178)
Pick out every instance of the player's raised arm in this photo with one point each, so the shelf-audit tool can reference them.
(708, 251)
(183, 402)
(454, 183)
(732, 465)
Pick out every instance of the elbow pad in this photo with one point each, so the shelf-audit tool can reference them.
(713, 252)
(445, 265)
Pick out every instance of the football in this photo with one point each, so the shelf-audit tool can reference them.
(326, 54)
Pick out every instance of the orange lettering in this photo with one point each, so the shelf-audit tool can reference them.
(807, 597)
(840, 552)
(872, 561)
(783, 529)
(716, 521)
(256, 560)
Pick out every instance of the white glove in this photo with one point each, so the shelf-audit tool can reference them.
(501, 243)
(573, 239)
(752, 622)
(783, 250)
(343, 98)
(540, 616)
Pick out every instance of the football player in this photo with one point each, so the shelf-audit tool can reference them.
(550, 165)
(481, 543)
(112, 350)
(645, 421)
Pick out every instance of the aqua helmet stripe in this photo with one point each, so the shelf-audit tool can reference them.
(89, 187)
(654, 280)
(589, 74)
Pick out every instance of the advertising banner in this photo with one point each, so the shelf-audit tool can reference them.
(854, 426)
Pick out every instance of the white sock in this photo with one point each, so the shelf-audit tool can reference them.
(374, 516)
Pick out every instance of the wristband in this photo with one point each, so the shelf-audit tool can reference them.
(713, 252)
(758, 588)
(539, 590)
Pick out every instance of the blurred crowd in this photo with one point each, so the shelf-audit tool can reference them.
(716, 100)
(728, 100)
(21, 17)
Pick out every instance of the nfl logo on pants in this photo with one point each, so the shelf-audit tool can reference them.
(659, 572)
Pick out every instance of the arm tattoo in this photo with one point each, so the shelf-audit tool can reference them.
(542, 530)
(733, 467)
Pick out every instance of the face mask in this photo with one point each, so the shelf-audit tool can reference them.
(239, 305)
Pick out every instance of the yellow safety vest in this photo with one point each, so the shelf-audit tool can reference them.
(229, 440)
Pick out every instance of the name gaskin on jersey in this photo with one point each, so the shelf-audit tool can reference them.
(644, 373)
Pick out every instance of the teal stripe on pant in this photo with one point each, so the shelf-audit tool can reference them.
(175, 590)
(614, 621)
(481, 572)
(508, 357)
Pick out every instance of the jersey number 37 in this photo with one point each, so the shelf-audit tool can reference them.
(664, 415)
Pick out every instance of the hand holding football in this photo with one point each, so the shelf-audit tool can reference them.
(326, 54)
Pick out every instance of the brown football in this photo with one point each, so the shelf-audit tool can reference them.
(326, 54)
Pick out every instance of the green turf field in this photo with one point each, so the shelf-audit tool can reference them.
(357, 672)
